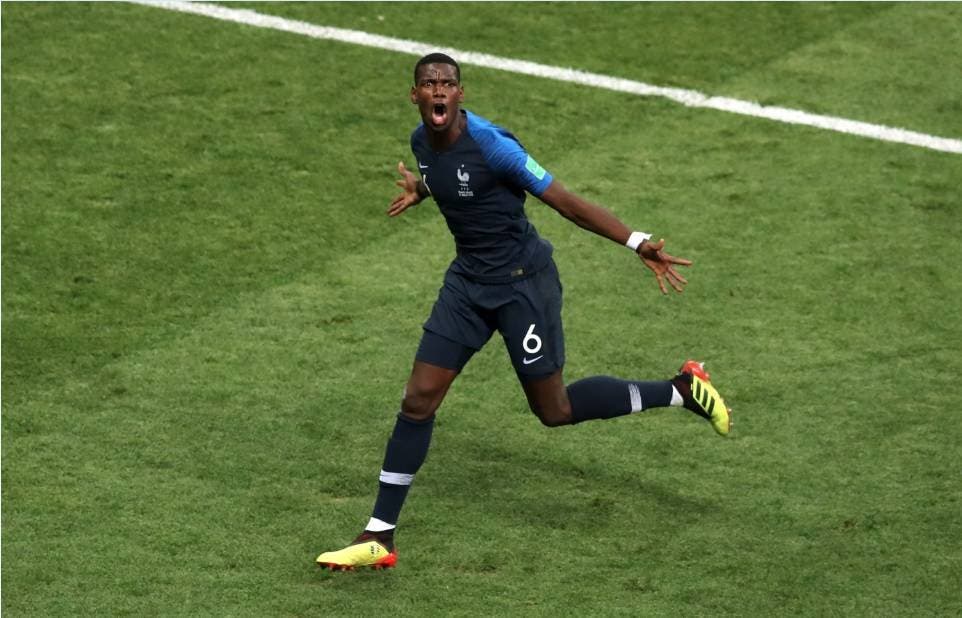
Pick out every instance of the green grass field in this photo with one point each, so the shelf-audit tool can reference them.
(208, 320)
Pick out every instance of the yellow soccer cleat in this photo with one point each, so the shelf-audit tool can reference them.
(365, 551)
(701, 397)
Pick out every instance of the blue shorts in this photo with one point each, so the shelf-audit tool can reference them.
(527, 313)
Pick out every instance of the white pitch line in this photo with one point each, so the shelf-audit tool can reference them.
(690, 98)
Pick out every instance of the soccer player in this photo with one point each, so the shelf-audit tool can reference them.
(503, 278)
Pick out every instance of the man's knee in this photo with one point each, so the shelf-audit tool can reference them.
(548, 399)
(420, 402)
(555, 414)
(425, 390)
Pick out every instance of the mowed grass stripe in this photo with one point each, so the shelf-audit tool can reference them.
(690, 98)
(192, 459)
(876, 67)
(150, 201)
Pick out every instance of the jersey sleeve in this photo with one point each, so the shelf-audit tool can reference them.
(508, 158)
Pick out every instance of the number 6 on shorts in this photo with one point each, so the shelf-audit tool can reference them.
(530, 337)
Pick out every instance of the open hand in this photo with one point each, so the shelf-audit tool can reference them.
(663, 265)
(410, 197)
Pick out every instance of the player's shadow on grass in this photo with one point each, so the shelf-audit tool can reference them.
(545, 488)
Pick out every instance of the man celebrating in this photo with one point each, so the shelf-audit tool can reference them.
(503, 278)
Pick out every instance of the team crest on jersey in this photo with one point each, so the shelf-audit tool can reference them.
(464, 189)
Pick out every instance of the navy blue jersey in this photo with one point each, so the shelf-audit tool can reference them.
(479, 183)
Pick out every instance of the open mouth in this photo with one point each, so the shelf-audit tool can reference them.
(439, 114)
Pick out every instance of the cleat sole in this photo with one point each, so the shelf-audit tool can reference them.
(362, 554)
(389, 563)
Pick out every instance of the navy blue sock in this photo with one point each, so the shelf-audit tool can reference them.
(607, 397)
(404, 455)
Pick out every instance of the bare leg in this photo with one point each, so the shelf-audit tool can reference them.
(425, 390)
(548, 399)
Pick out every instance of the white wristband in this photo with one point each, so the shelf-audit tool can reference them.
(635, 240)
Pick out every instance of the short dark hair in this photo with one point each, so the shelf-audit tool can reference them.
(437, 58)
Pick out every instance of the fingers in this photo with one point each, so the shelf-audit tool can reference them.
(663, 265)
(662, 271)
(656, 268)
(677, 281)
(668, 258)
(673, 274)
(661, 283)
(674, 284)
(400, 168)
(399, 205)
(656, 248)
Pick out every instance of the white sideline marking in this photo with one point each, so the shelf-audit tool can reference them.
(690, 98)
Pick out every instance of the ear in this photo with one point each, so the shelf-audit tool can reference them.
(414, 97)
(460, 94)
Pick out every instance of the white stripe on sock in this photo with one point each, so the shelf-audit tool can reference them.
(635, 394)
(676, 399)
(376, 525)
(396, 478)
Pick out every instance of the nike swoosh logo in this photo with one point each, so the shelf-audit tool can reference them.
(423, 167)
(529, 361)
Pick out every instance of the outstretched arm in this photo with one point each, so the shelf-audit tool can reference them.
(601, 221)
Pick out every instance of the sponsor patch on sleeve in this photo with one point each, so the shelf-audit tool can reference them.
(532, 166)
